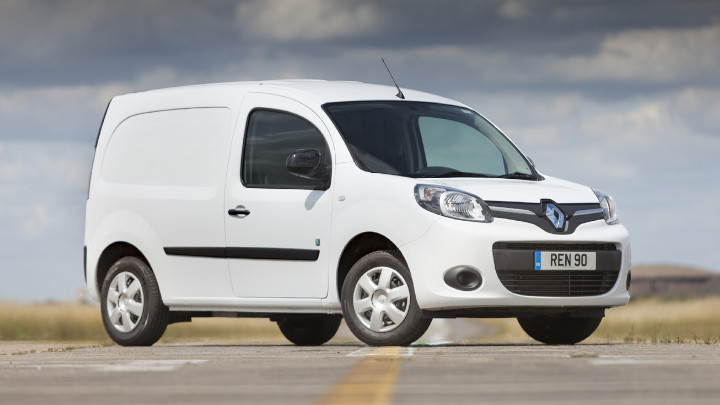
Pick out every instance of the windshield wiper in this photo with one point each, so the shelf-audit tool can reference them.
(518, 175)
(453, 173)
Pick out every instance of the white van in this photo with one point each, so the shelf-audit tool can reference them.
(309, 201)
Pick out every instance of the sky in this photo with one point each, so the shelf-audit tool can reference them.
(622, 96)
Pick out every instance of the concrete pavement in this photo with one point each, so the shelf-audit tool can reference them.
(285, 374)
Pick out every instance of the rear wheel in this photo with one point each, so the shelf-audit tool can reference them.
(559, 329)
(378, 301)
(132, 310)
(310, 331)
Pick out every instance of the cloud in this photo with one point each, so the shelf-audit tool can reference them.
(699, 108)
(26, 100)
(38, 219)
(508, 44)
(44, 29)
(71, 42)
(55, 165)
(514, 9)
(74, 112)
(41, 185)
(54, 112)
(627, 62)
(642, 125)
(648, 55)
(291, 20)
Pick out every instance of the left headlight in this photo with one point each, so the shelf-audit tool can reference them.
(609, 208)
(452, 203)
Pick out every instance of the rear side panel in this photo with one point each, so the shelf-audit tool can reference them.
(159, 182)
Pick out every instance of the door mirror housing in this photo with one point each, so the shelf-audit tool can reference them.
(308, 163)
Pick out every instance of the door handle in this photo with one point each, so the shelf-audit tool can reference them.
(239, 210)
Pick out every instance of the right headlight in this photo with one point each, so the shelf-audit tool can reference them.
(452, 203)
(609, 208)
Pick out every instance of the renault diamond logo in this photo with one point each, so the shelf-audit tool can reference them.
(556, 217)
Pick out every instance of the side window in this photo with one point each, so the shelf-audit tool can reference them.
(270, 137)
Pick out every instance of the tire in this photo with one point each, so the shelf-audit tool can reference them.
(559, 329)
(132, 310)
(310, 331)
(378, 301)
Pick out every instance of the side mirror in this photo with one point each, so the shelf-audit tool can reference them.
(307, 163)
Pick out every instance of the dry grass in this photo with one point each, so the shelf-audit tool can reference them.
(651, 320)
(69, 322)
(62, 321)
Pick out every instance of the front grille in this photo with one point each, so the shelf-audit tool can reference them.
(515, 268)
(560, 283)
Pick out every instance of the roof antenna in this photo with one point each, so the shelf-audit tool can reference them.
(400, 93)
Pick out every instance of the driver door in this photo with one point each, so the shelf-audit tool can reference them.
(277, 225)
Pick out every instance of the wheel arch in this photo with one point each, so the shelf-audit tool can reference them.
(113, 253)
(358, 247)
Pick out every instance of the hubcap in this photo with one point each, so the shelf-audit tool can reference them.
(125, 303)
(381, 299)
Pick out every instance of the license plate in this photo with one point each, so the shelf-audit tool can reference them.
(564, 260)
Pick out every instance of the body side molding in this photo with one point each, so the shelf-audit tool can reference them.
(245, 253)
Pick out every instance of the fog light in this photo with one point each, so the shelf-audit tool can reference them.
(463, 278)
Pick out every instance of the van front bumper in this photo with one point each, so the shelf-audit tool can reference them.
(500, 251)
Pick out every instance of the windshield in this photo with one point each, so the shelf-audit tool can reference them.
(417, 139)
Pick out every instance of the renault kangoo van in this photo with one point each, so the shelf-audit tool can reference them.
(310, 201)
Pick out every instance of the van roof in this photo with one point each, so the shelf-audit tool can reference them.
(317, 91)
(312, 93)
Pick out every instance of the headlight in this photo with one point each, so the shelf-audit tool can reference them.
(610, 211)
(452, 203)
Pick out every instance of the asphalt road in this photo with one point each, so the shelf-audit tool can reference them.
(350, 373)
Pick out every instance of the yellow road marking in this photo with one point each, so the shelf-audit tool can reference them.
(371, 381)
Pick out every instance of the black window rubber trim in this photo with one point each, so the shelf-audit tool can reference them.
(245, 253)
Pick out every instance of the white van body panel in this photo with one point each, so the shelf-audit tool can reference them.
(152, 211)
(373, 203)
(171, 205)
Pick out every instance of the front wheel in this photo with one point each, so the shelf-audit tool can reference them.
(378, 301)
(310, 331)
(559, 329)
(132, 310)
